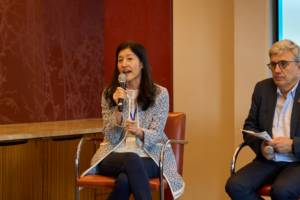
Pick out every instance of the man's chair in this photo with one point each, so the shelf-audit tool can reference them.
(174, 129)
(265, 191)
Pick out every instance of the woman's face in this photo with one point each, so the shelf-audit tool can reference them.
(130, 65)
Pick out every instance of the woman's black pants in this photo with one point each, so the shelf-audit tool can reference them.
(132, 172)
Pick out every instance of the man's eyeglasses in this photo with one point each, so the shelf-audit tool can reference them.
(281, 64)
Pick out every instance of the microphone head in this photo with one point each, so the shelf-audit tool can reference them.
(269, 150)
(122, 78)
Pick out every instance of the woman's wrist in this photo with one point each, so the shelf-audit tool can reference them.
(118, 116)
(117, 112)
(140, 134)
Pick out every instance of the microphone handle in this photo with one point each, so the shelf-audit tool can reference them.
(121, 101)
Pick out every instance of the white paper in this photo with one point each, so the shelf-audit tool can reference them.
(262, 135)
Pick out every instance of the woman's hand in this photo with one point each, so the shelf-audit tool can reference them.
(120, 93)
(134, 129)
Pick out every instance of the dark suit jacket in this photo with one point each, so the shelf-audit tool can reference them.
(261, 116)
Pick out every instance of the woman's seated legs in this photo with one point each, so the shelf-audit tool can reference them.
(138, 170)
(121, 189)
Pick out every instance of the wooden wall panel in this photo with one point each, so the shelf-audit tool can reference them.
(59, 168)
(42, 169)
(21, 173)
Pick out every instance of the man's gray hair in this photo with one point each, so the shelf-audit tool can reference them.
(283, 46)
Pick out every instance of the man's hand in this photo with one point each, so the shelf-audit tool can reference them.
(263, 146)
(282, 145)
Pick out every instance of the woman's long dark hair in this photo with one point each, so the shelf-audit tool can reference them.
(147, 87)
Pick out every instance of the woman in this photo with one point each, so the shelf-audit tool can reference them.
(133, 138)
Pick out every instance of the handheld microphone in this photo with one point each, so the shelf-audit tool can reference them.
(269, 150)
(122, 80)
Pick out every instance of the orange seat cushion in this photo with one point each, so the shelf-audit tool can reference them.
(265, 191)
(96, 181)
(155, 184)
(99, 181)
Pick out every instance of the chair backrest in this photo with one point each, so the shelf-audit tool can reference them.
(175, 130)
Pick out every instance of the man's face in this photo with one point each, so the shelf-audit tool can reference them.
(286, 78)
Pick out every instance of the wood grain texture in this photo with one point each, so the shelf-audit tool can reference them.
(43, 169)
(21, 171)
(50, 129)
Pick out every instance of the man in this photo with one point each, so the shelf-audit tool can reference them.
(275, 109)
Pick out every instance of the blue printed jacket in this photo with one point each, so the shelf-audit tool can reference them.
(152, 122)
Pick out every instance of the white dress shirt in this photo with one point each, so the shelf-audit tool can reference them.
(282, 122)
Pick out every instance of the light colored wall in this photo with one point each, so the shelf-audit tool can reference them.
(204, 90)
(251, 46)
(220, 52)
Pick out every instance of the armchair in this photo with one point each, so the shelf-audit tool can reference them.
(175, 129)
(265, 191)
